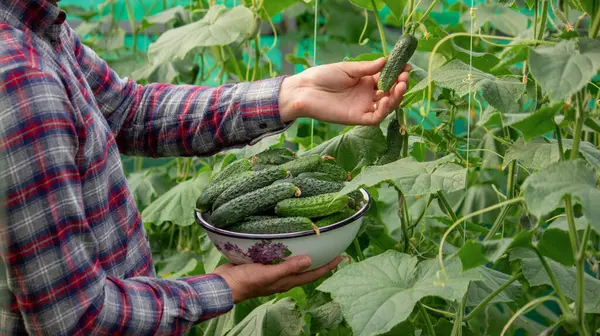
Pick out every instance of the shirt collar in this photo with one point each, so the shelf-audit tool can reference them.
(40, 16)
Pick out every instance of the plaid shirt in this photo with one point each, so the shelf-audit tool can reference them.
(75, 251)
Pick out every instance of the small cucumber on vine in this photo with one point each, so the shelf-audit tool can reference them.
(214, 189)
(400, 55)
(395, 140)
(273, 156)
(312, 207)
(275, 225)
(252, 203)
(258, 180)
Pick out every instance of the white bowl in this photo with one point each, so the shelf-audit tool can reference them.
(246, 248)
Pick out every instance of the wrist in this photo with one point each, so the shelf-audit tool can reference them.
(291, 99)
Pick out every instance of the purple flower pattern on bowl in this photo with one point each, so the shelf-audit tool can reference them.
(265, 252)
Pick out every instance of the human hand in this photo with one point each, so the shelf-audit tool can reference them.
(255, 280)
(344, 93)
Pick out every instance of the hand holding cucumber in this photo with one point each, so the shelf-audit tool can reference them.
(256, 280)
(344, 93)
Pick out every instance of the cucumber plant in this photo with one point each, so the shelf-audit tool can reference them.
(484, 219)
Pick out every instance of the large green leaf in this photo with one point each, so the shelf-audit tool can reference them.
(538, 123)
(492, 280)
(276, 318)
(476, 253)
(396, 6)
(147, 186)
(381, 292)
(176, 205)
(220, 26)
(502, 18)
(501, 93)
(563, 69)
(536, 275)
(412, 177)
(556, 245)
(271, 8)
(164, 17)
(367, 4)
(354, 149)
(545, 190)
(536, 154)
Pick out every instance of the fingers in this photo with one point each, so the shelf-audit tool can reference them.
(361, 69)
(289, 267)
(310, 276)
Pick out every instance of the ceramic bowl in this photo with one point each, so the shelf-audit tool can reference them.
(245, 248)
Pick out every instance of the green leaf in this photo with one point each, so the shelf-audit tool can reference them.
(367, 4)
(538, 123)
(588, 150)
(396, 6)
(381, 292)
(276, 318)
(148, 186)
(364, 57)
(326, 316)
(562, 70)
(412, 177)
(501, 93)
(581, 223)
(476, 253)
(175, 206)
(536, 154)
(536, 275)
(545, 190)
(220, 26)
(273, 7)
(502, 18)
(360, 146)
(164, 17)
(492, 280)
(556, 245)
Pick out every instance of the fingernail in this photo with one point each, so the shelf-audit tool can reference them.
(304, 262)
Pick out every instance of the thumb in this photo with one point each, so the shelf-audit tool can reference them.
(364, 68)
(289, 267)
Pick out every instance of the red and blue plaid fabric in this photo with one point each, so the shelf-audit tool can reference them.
(74, 248)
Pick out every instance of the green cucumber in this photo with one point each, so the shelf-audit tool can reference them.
(311, 207)
(312, 187)
(213, 190)
(333, 169)
(335, 218)
(274, 156)
(395, 141)
(400, 55)
(320, 176)
(252, 203)
(233, 168)
(304, 164)
(258, 180)
(260, 166)
(274, 225)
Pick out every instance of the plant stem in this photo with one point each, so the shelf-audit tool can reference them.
(555, 284)
(580, 263)
(131, 16)
(495, 293)
(428, 11)
(440, 312)
(543, 16)
(595, 27)
(510, 186)
(380, 28)
(236, 66)
(426, 319)
(422, 214)
(403, 220)
(447, 206)
(359, 252)
(571, 223)
(578, 127)
(457, 328)
(561, 150)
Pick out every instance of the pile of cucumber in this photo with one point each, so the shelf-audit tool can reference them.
(276, 191)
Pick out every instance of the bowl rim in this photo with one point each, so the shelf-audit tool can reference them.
(269, 236)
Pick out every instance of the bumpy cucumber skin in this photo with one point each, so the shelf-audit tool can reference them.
(402, 52)
(260, 166)
(335, 218)
(233, 168)
(251, 203)
(320, 176)
(311, 207)
(258, 180)
(303, 164)
(312, 187)
(331, 168)
(274, 225)
(274, 156)
(213, 190)
(394, 143)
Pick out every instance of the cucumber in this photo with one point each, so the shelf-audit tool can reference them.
(395, 141)
(321, 176)
(331, 168)
(252, 203)
(312, 187)
(304, 164)
(231, 169)
(214, 189)
(274, 225)
(335, 218)
(311, 207)
(402, 52)
(258, 180)
(274, 156)
(260, 166)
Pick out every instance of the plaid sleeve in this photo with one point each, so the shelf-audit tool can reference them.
(181, 120)
(52, 262)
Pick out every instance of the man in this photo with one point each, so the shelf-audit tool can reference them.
(74, 247)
